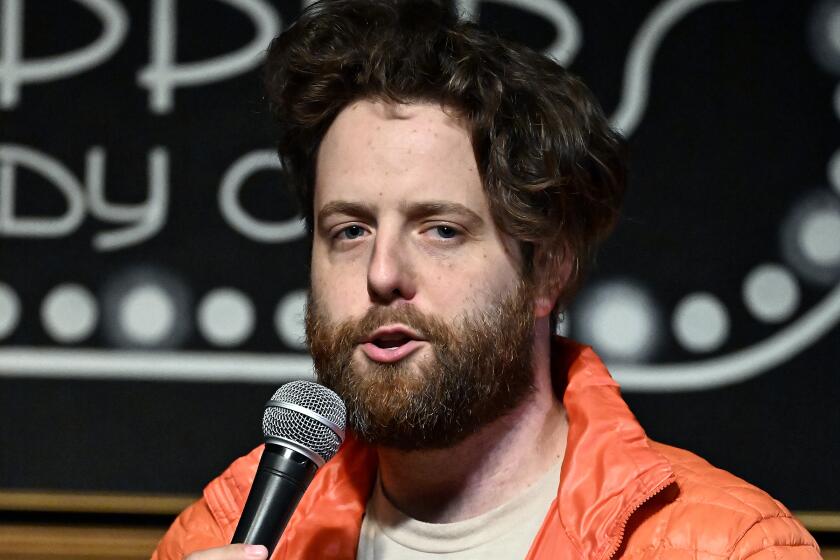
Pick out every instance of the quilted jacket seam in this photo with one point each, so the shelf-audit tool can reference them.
(745, 508)
(666, 528)
(657, 549)
(767, 537)
(694, 551)
(779, 512)
(728, 491)
(226, 510)
(223, 508)
(758, 523)
(773, 546)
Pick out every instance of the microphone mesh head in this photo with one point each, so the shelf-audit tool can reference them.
(300, 428)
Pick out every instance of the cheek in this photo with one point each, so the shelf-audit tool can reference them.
(340, 287)
(480, 278)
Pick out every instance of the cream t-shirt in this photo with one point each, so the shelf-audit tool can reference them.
(502, 533)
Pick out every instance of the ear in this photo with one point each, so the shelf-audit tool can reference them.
(552, 270)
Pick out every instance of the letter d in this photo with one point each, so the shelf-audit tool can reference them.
(12, 225)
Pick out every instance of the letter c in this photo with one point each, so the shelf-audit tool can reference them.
(241, 221)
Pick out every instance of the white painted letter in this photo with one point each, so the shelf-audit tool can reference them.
(12, 225)
(146, 218)
(162, 75)
(13, 73)
(236, 216)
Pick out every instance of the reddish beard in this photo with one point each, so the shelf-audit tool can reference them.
(481, 369)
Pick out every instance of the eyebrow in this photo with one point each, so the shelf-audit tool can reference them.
(345, 207)
(415, 210)
(412, 210)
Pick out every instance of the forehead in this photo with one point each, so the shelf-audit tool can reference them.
(386, 151)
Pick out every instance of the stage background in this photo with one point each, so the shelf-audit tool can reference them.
(152, 270)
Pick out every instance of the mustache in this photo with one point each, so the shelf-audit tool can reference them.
(426, 326)
(347, 333)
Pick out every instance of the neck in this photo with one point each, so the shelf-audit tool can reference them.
(490, 467)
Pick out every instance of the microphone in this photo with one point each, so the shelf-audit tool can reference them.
(303, 424)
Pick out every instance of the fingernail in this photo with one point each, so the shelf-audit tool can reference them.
(256, 551)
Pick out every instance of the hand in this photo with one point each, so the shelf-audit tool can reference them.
(231, 552)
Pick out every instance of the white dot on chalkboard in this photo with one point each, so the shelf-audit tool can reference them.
(811, 237)
(289, 319)
(69, 313)
(824, 31)
(834, 171)
(619, 319)
(700, 322)
(146, 314)
(9, 310)
(226, 317)
(819, 237)
(771, 293)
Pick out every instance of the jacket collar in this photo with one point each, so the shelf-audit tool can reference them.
(608, 471)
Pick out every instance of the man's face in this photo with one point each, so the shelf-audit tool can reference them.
(418, 317)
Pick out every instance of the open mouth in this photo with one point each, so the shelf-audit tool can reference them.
(391, 344)
(394, 340)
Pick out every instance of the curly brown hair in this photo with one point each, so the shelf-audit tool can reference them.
(553, 169)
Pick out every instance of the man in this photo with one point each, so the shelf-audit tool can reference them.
(455, 186)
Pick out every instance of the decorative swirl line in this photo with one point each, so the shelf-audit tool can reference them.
(737, 366)
(637, 70)
(569, 37)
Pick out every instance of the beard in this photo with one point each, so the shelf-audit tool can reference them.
(480, 370)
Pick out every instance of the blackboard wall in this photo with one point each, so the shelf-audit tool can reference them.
(152, 271)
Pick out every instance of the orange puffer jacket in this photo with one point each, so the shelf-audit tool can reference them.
(621, 495)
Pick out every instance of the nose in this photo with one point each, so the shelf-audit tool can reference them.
(390, 276)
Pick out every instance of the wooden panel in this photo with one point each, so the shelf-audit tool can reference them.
(166, 504)
(820, 521)
(93, 502)
(60, 542)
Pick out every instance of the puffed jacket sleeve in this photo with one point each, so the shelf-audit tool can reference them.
(194, 529)
(776, 538)
(210, 522)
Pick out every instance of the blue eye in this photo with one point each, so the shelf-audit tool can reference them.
(446, 232)
(352, 232)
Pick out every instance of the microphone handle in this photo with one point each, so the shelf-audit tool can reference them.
(282, 477)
